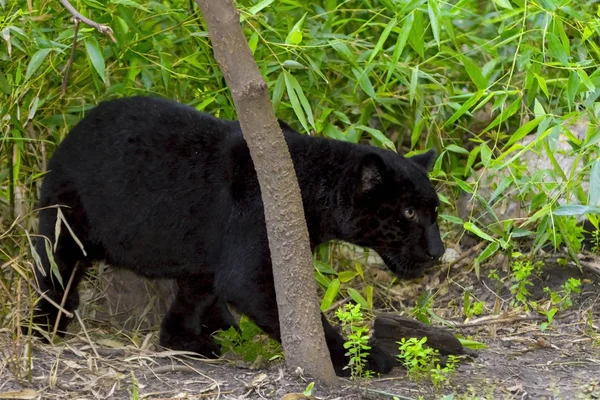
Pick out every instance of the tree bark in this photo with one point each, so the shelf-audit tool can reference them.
(299, 316)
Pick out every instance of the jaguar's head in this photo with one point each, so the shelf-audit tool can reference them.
(394, 211)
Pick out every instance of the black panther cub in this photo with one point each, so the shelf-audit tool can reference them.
(157, 187)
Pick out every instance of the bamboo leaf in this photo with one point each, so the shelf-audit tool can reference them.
(524, 130)
(505, 114)
(464, 108)
(384, 35)
(504, 4)
(332, 291)
(36, 60)
(434, 16)
(414, 78)
(556, 49)
(400, 44)
(291, 92)
(359, 299)
(471, 227)
(95, 56)
(574, 209)
(295, 35)
(474, 73)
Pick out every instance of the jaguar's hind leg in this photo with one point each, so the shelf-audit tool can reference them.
(194, 316)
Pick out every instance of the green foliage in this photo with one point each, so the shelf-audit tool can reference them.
(357, 343)
(559, 300)
(422, 309)
(523, 269)
(248, 342)
(135, 391)
(422, 361)
(471, 309)
(596, 241)
(309, 390)
(570, 234)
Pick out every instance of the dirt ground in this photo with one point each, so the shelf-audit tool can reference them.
(520, 362)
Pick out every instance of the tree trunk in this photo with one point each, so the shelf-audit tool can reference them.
(299, 316)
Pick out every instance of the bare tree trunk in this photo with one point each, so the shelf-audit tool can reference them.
(299, 316)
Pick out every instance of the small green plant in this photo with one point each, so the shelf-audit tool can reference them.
(422, 361)
(522, 271)
(422, 308)
(559, 300)
(135, 392)
(472, 308)
(596, 241)
(308, 392)
(352, 322)
(563, 297)
(249, 342)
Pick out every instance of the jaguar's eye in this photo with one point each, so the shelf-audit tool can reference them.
(410, 214)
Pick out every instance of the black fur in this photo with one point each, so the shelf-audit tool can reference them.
(157, 187)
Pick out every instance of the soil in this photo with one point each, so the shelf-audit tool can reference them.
(521, 360)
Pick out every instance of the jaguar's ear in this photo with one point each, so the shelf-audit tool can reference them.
(426, 160)
(371, 173)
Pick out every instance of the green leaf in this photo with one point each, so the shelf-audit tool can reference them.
(556, 49)
(347, 276)
(324, 268)
(586, 80)
(474, 73)
(359, 299)
(299, 101)
(434, 16)
(364, 82)
(594, 193)
(379, 137)
(258, 7)
(489, 251)
(280, 85)
(4, 85)
(384, 35)
(472, 344)
(542, 82)
(457, 149)
(471, 227)
(524, 130)
(36, 60)
(414, 78)
(570, 210)
(505, 114)
(96, 57)
(417, 39)
(400, 44)
(253, 41)
(416, 132)
(504, 4)
(295, 35)
(332, 291)
(292, 64)
(465, 107)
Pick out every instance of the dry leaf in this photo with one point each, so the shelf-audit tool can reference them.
(22, 394)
